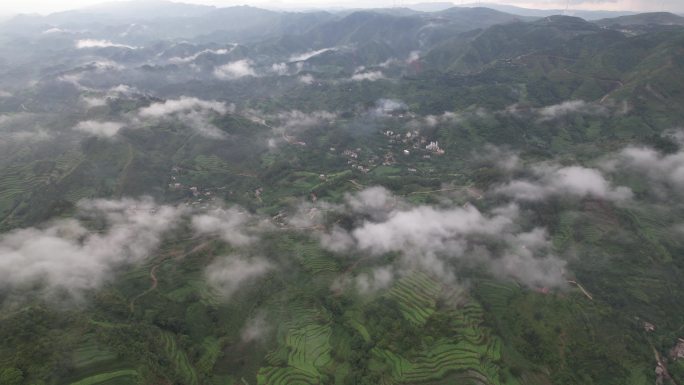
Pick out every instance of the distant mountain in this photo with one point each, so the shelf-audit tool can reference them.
(149, 9)
(506, 41)
(652, 18)
(587, 15)
(430, 7)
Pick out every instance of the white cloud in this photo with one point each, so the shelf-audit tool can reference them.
(235, 70)
(370, 76)
(550, 180)
(53, 30)
(385, 107)
(94, 43)
(307, 79)
(229, 274)
(522, 263)
(309, 54)
(97, 128)
(182, 104)
(66, 257)
(663, 170)
(188, 59)
(93, 101)
(194, 112)
(280, 68)
(378, 279)
(430, 238)
(570, 107)
(295, 120)
(122, 89)
(413, 56)
(255, 328)
(229, 224)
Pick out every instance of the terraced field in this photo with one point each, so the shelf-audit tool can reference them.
(18, 180)
(314, 259)
(416, 296)
(471, 352)
(443, 358)
(309, 347)
(180, 361)
(285, 376)
(496, 295)
(306, 346)
(91, 354)
(353, 319)
(119, 377)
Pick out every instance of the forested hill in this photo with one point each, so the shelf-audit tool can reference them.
(436, 195)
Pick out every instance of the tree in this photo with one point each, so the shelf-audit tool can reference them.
(11, 376)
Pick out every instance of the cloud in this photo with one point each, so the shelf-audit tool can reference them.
(502, 158)
(104, 66)
(53, 30)
(374, 201)
(93, 101)
(431, 238)
(307, 79)
(385, 107)
(229, 274)
(66, 257)
(570, 107)
(23, 127)
(551, 180)
(235, 70)
(378, 279)
(193, 112)
(255, 329)
(230, 224)
(600, 5)
(97, 128)
(93, 43)
(413, 56)
(295, 120)
(370, 76)
(122, 89)
(182, 104)
(663, 170)
(522, 262)
(309, 54)
(280, 68)
(188, 59)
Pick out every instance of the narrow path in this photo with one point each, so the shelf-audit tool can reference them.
(586, 293)
(661, 364)
(153, 286)
(153, 272)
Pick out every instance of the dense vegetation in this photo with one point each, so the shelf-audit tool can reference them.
(275, 133)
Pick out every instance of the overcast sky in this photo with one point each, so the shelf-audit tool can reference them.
(46, 6)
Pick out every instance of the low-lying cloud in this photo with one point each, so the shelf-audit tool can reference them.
(191, 58)
(193, 112)
(371, 76)
(229, 274)
(309, 54)
(552, 180)
(97, 128)
(235, 70)
(664, 171)
(65, 257)
(231, 225)
(431, 238)
(94, 43)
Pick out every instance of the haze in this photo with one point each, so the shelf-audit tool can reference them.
(47, 6)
